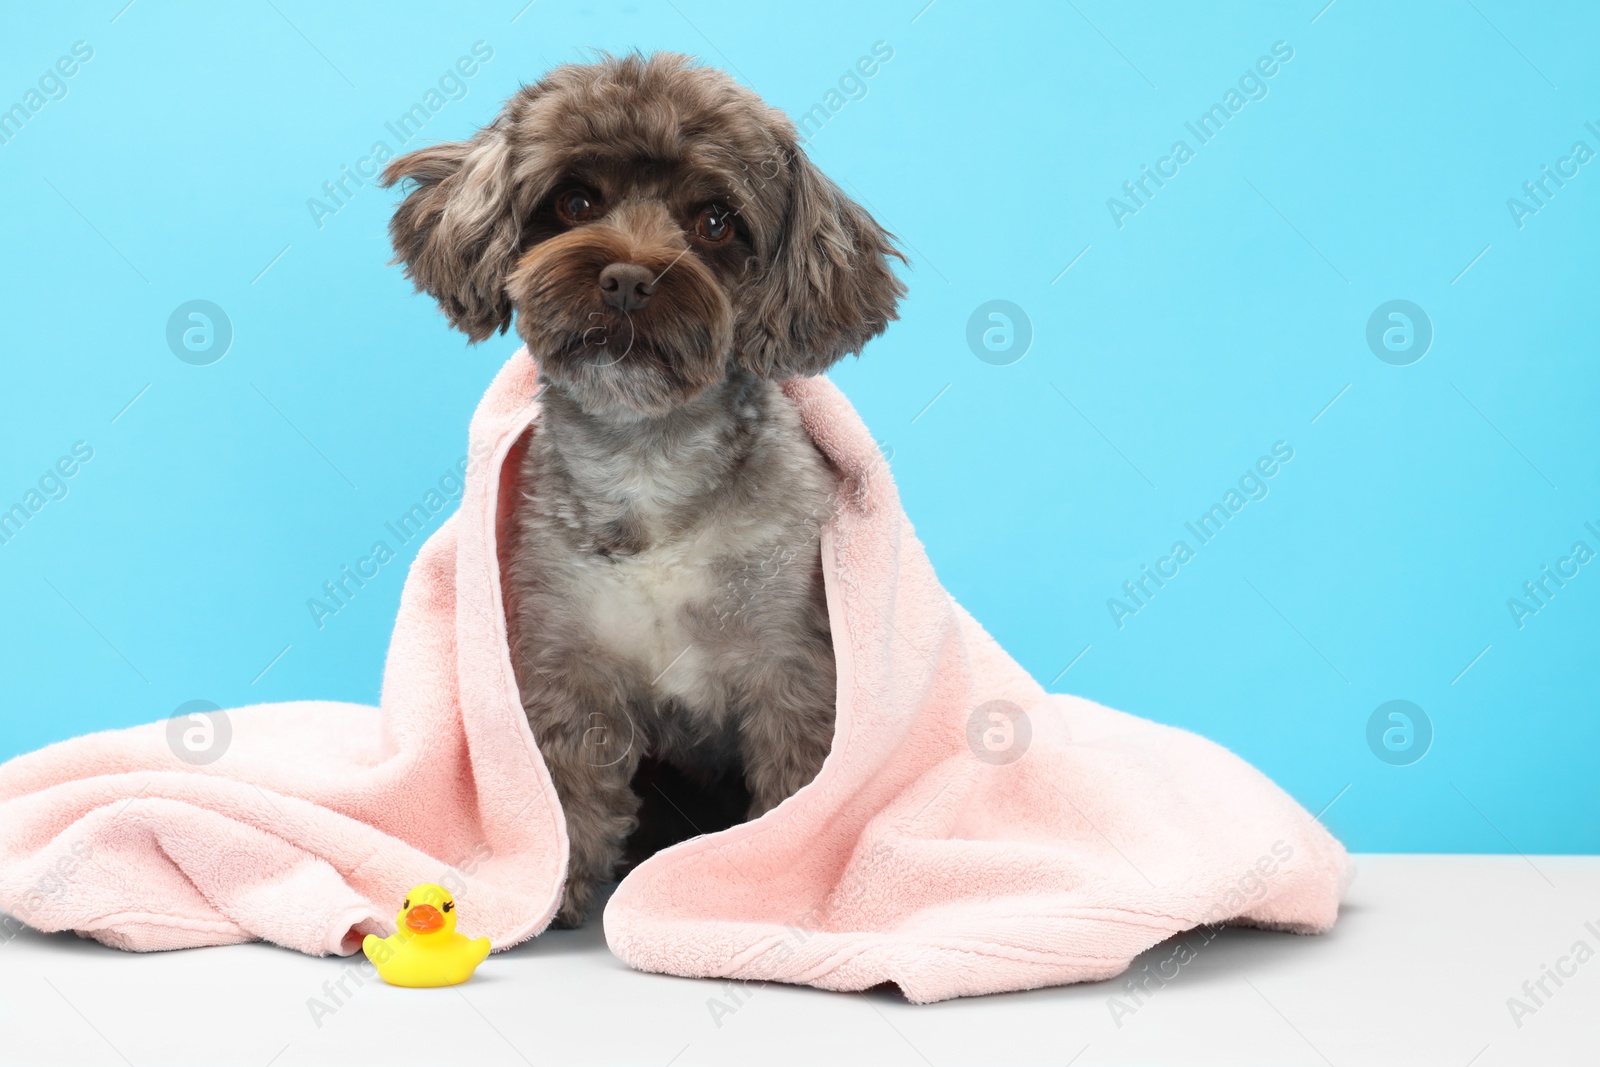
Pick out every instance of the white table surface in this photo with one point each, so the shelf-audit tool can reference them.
(1419, 971)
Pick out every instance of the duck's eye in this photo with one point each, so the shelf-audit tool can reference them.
(714, 224)
(577, 206)
(406, 905)
(449, 905)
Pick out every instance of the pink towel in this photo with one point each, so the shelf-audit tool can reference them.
(969, 833)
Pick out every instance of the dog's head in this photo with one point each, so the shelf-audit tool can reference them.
(650, 225)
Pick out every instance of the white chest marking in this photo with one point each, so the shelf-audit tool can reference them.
(637, 607)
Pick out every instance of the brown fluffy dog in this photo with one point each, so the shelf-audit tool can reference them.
(669, 255)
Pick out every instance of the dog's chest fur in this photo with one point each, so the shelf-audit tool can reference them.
(673, 556)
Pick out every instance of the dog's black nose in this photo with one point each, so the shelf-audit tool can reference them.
(626, 286)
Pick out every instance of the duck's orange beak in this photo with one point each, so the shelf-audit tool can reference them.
(424, 919)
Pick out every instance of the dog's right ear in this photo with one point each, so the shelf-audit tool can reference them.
(457, 229)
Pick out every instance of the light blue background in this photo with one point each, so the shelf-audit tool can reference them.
(1223, 317)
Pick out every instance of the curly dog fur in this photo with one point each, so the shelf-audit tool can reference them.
(669, 255)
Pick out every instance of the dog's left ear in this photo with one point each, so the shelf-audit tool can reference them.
(827, 289)
(457, 230)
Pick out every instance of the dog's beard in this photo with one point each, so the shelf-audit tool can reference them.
(623, 369)
(643, 362)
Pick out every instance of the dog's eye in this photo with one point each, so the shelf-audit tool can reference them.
(576, 206)
(715, 224)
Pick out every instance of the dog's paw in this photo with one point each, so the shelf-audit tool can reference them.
(575, 903)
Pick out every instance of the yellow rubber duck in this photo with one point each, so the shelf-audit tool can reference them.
(425, 950)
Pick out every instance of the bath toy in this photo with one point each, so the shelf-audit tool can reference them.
(425, 949)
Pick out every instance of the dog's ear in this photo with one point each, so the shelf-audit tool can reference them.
(458, 228)
(827, 289)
